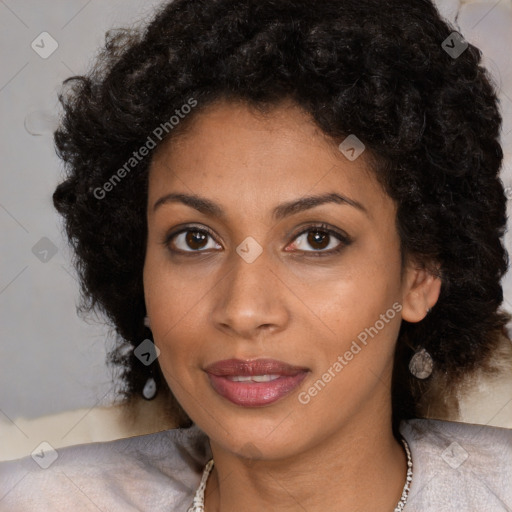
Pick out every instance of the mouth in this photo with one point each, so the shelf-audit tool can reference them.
(254, 383)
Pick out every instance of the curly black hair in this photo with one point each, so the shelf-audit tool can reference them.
(428, 118)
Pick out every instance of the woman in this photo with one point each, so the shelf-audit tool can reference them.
(292, 214)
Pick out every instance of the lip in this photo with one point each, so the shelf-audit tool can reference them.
(254, 394)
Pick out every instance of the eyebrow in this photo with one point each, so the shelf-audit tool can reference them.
(208, 207)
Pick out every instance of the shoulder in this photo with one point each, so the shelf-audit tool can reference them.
(154, 472)
(459, 466)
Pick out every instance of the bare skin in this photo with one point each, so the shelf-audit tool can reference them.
(206, 303)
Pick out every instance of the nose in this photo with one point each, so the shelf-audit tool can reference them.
(250, 300)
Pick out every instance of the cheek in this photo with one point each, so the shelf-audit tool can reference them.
(365, 288)
(167, 291)
(364, 319)
(362, 313)
(175, 303)
(165, 300)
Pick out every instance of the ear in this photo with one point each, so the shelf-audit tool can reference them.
(421, 288)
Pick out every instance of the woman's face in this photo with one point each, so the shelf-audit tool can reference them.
(266, 242)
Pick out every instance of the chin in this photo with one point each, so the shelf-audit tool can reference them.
(259, 437)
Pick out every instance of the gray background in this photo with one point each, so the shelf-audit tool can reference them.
(51, 360)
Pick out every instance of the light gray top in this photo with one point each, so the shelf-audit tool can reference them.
(457, 467)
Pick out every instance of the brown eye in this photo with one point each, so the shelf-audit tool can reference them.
(318, 239)
(196, 239)
(191, 240)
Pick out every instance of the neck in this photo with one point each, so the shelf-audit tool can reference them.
(360, 467)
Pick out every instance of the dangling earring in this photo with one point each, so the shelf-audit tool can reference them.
(421, 364)
(150, 389)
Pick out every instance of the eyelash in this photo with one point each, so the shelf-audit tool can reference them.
(342, 237)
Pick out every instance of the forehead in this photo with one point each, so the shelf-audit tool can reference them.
(232, 151)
